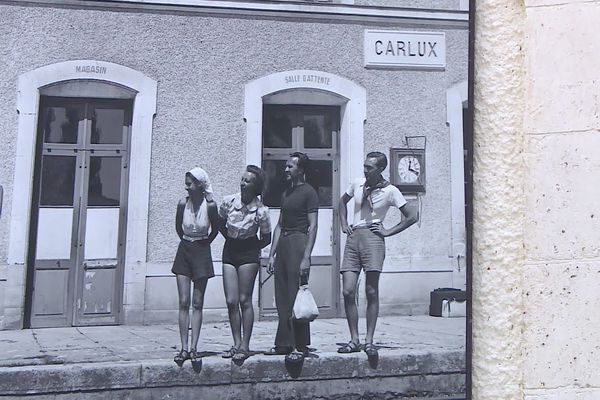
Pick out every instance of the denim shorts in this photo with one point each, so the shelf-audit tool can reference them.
(364, 249)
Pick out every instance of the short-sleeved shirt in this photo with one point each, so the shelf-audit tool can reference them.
(296, 203)
(244, 220)
(375, 206)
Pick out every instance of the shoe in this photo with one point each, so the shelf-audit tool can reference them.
(294, 357)
(371, 350)
(181, 357)
(349, 347)
(278, 351)
(195, 360)
(240, 355)
(230, 353)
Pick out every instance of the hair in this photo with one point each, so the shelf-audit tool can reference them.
(259, 177)
(303, 160)
(382, 161)
(194, 179)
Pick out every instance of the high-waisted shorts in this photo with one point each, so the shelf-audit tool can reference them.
(193, 259)
(238, 252)
(364, 249)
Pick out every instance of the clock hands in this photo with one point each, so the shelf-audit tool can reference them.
(411, 169)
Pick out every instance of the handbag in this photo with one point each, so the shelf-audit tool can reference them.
(305, 308)
(453, 308)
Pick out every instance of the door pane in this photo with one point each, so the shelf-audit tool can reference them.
(101, 233)
(275, 182)
(107, 126)
(54, 234)
(320, 176)
(58, 181)
(61, 124)
(98, 291)
(317, 132)
(105, 181)
(277, 127)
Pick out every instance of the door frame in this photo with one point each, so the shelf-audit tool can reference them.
(29, 86)
(84, 150)
(317, 88)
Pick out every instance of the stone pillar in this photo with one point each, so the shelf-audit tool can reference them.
(498, 201)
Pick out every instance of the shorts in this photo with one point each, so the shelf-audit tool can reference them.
(238, 252)
(194, 260)
(364, 249)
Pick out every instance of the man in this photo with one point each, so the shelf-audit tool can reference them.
(293, 241)
(365, 245)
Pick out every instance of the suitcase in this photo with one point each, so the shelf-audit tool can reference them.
(437, 296)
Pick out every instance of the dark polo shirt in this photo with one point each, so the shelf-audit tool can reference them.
(296, 203)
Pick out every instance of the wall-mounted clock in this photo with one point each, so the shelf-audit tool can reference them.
(407, 169)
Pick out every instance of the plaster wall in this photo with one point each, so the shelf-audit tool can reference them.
(536, 237)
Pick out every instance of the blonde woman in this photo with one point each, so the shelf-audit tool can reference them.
(196, 223)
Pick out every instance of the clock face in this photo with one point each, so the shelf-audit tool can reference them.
(409, 169)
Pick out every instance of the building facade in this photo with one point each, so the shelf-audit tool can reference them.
(105, 107)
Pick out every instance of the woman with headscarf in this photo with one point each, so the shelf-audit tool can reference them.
(242, 217)
(196, 223)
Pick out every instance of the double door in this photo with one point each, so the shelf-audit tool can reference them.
(313, 130)
(77, 231)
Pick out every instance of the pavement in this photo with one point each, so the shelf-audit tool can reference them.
(423, 356)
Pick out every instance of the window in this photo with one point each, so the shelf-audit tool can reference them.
(309, 129)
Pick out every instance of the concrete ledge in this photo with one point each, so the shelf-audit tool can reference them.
(414, 375)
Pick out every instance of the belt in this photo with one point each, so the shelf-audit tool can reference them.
(285, 232)
(195, 239)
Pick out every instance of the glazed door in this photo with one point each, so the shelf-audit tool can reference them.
(78, 216)
(312, 130)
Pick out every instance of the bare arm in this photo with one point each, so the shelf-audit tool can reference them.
(265, 240)
(276, 234)
(222, 225)
(213, 216)
(179, 218)
(410, 217)
(347, 229)
(310, 243)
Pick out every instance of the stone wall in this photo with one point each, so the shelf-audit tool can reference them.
(537, 250)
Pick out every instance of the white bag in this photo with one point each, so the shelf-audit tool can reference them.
(305, 308)
(453, 308)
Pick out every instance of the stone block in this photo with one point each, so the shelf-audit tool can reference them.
(562, 90)
(260, 368)
(167, 373)
(562, 339)
(562, 191)
(66, 378)
(562, 394)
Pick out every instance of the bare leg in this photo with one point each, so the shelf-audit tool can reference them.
(247, 276)
(349, 282)
(197, 304)
(372, 291)
(231, 288)
(183, 289)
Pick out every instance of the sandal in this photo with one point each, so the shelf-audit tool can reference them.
(294, 357)
(196, 360)
(371, 350)
(349, 347)
(277, 351)
(181, 357)
(230, 353)
(240, 355)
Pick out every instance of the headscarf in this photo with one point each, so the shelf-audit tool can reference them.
(202, 177)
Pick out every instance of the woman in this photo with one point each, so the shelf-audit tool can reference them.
(196, 215)
(242, 216)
